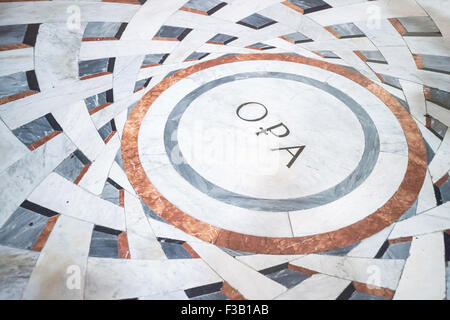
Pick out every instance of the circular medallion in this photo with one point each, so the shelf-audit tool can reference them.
(273, 153)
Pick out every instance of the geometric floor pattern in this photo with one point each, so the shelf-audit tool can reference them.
(225, 149)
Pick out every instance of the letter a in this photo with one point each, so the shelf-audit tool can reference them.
(294, 156)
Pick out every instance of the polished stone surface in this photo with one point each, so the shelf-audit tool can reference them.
(211, 150)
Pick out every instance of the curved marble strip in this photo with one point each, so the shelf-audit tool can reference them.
(384, 216)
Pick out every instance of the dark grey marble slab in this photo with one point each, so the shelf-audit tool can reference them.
(256, 21)
(92, 66)
(13, 84)
(12, 34)
(104, 245)
(70, 168)
(33, 131)
(287, 277)
(22, 229)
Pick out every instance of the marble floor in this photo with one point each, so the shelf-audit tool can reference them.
(235, 149)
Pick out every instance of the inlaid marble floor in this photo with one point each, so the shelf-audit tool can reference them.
(239, 149)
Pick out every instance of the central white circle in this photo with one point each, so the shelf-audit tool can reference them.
(227, 151)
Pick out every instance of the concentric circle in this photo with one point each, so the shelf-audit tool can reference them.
(212, 216)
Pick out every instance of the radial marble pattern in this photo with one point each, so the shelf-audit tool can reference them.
(230, 149)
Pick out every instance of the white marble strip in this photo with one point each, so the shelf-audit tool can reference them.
(364, 11)
(51, 12)
(423, 277)
(56, 55)
(316, 287)
(95, 177)
(11, 148)
(384, 273)
(60, 270)
(19, 180)
(433, 220)
(141, 238)
(62, 196)
(440, 164)
(129, 278)
(18, 60)
(247, 281)
(22, 111)
(76, 123)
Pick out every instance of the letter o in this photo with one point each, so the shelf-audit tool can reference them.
(247, 103)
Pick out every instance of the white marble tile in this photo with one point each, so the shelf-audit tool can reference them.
(141, 238)
(440, 164)
(75, 121)
(435, 219)
(56, 54)
(423, 277)
(60, 270)
(11, 148)
(16, 266)
(18, 60)
(369, 247)
(383, 273)
(95, 177)
(42, 12)
(19, 180)
(316, 287)
(62, 196)
(125, 278)
(250, 283)
(263, 261)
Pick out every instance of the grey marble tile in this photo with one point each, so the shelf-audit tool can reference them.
(363, 296)
(409, 213)
(197, 55)
(444, 189)
(340, 251)
(101, 29)
(208, 6)
(95, 100)
(416, 26)
(22, 229)
(70, 168)
(104, 245)
(151, 214)
(92, 66)
(347, 30)
(12, 34)
(223, 38)
(156, 58)
(440, 97)
(173, 32)
(373, 56)
(174, 250)
(327, 54)
(256, 21)
(309, 6)
(107, 129)
(261, 46)
(33, 131)
(436, 63)
(211, 296)
(235, 253)
(297, 37)
(110, 193)
(392, 81)
(13, 84)
(15, 270)
(398, 250)
(287, 277)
